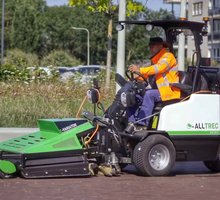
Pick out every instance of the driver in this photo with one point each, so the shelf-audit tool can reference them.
(164, 70)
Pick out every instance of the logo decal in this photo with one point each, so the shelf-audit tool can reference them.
(205, 126)
(69, 127)
(189, 126)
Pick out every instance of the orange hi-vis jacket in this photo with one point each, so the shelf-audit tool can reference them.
(164, 67)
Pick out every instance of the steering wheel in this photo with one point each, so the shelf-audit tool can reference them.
(130, 76)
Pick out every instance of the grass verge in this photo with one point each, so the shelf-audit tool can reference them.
(21, 105)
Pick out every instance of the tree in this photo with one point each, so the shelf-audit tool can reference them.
(108, 7)
(59, 58)
(24, 24)
(36, 28)
(58, 23)
(137, 37)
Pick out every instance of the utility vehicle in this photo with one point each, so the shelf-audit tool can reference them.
(186, 129)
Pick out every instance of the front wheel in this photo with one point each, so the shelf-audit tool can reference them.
(5, 176)
(155, 156)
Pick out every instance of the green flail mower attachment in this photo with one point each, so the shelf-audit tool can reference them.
(55, 150)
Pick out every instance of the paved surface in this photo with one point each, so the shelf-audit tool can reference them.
(7, 133)
(188, 181)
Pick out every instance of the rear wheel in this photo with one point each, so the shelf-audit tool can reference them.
(155, 156)
(214, 166)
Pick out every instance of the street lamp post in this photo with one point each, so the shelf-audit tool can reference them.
(121, 42)
(88, 45)
(3, 30)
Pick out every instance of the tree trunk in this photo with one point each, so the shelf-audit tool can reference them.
(109, 56)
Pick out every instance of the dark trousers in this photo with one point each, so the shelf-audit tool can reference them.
(148, 102)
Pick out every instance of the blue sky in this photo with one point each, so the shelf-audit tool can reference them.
(152, 4)
(56, 2)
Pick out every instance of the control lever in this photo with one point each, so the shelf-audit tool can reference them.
(88, 115)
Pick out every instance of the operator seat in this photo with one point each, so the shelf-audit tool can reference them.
(185, 85)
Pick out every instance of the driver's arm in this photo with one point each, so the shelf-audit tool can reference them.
(164, 64)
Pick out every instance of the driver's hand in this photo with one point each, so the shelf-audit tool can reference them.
(134, 68)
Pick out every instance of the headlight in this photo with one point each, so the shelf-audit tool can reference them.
(128, 99)
(123, 99)
(149, 27)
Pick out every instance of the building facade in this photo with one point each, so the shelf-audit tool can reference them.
(197, 9)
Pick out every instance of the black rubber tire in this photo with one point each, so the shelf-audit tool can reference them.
(213, 166)
(142, 153)
(5, 176)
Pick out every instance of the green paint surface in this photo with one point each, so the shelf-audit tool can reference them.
(7, 167)
(48, 139)
(214, 132)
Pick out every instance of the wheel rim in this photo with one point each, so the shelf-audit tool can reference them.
(159, 157)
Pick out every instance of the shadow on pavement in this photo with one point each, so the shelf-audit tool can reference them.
(180, 168)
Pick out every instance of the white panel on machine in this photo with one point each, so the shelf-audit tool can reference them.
(200, 113)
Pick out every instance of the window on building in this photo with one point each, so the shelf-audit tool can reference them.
(216, 53)
(197, 8)
(216, 3)
(216, 25)
(210, 4)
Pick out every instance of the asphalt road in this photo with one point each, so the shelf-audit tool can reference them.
(191, 181)
(188, 180)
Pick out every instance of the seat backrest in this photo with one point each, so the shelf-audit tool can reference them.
(186, 80)
(201, 81)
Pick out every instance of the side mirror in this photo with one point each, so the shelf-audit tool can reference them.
(93, 95)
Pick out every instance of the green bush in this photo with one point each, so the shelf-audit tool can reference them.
(42, 74)
(21, 59)
(11, 72)
(16, 66)
(24, 67)
(59, 58)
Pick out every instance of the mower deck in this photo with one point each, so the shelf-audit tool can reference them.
(53, 151)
